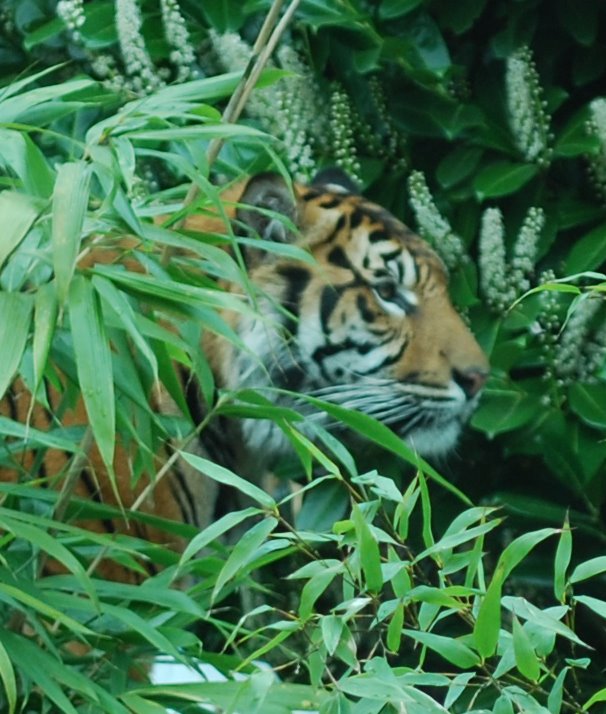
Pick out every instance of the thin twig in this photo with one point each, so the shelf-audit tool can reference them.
(266, 42)
(153, 483)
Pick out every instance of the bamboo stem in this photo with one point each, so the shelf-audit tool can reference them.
(265, 44)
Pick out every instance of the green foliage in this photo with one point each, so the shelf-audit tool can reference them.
(396, 598)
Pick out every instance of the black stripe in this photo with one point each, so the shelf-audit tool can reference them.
(192, 395)
(392, 255)
(183, 496)
(378, 235)
(366, 313)
(93, 492)
(310, 193)
(298, 279)
(328, 301)
(389, 360)
(337, 257)
(290, 378)
(330, 202)
(356, 217)
(12, 406)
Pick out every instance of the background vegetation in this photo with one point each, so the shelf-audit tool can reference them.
(444, 112)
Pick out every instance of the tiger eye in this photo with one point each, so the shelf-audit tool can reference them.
(387, 291)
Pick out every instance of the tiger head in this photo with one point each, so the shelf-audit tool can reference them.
(367, 324)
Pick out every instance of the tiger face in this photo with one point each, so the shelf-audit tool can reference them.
(367, 324)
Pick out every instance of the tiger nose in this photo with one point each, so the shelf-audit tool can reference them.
(470, 380)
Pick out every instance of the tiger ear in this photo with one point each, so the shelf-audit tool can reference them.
(264, 195)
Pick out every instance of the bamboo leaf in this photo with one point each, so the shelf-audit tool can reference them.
(16, 310)
(243, 552)
(312, 590)
(215, 530)
(40, 667)
(371, 429)
(17, 214)
(16, 107)
(597, 697)
(589, 569)
(208, 131)
(370, 556)
(7, 674)
(33, 438)
(42, 540)
(19, 154)
(173, 291)
(43, 608)
(519, 548)
(598, 606)
(50, 674)
(223, 475)
(488, 621)
(45, 318)
(70, 202)
(332, 627)
(562, 561)
(554, 700)
(452, 650)
(394, 630)
(141, 626)
(119, 304)
(527, 661)
(94, 366)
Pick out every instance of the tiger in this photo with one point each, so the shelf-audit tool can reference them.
(365, 323)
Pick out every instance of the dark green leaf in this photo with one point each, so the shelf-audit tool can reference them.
(390, 9)
(458, 165)
(588, 252)
(502, 178)
(503, 410)
(588, 401)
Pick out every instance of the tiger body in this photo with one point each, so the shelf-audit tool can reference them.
(366, 323)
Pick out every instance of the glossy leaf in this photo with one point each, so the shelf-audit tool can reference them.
(588, 402)
(502, 178)
(450, 649)
(243, 552)
(332, 627)
(394, 629)
(589, 569)
(488, 621)
(527, 661)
